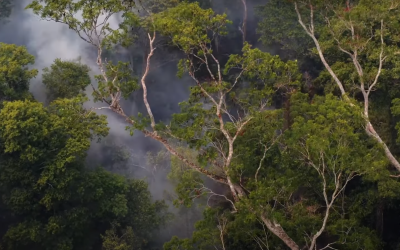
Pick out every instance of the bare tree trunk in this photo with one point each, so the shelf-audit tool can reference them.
(143, 81)
(280, 233)
(244, 25)
(372, 133)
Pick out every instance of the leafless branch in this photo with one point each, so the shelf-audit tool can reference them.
(339, 188)
(368, 125)
(143, 81)
(244, 25)
(205, 190)
(310, 32)
(329, 246)
(222, 227)
(381, 60)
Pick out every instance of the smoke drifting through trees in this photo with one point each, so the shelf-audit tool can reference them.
(307, 169)
(48, 41)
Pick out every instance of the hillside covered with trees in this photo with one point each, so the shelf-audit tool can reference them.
(287, 136)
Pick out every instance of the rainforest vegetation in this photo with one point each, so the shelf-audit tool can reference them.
(288, 137)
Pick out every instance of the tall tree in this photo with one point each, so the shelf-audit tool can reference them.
(365, 32)
(305, 182)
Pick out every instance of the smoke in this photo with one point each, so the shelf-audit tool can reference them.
(47, 40)
(235, 13)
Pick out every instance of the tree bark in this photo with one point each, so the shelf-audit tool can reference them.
(244, 25)
(280, 233)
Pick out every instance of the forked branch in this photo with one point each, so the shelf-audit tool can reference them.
(339, 188)
(368, 125)
(311, 32)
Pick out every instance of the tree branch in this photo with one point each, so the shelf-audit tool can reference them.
(381, 60)
(143, 81)
(339, 188)
(244, 25)
(277, 230)
(369, 127)
(310, 32)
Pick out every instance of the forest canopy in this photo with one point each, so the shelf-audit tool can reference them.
(288, 136)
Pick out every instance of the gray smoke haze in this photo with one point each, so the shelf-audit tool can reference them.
(47, 40)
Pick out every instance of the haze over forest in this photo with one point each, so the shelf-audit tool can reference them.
(197, 125)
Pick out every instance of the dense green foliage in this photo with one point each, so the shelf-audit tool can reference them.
(49, 199)
(14, 73)
(53, 201)
(296, 149)
(65, 79)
